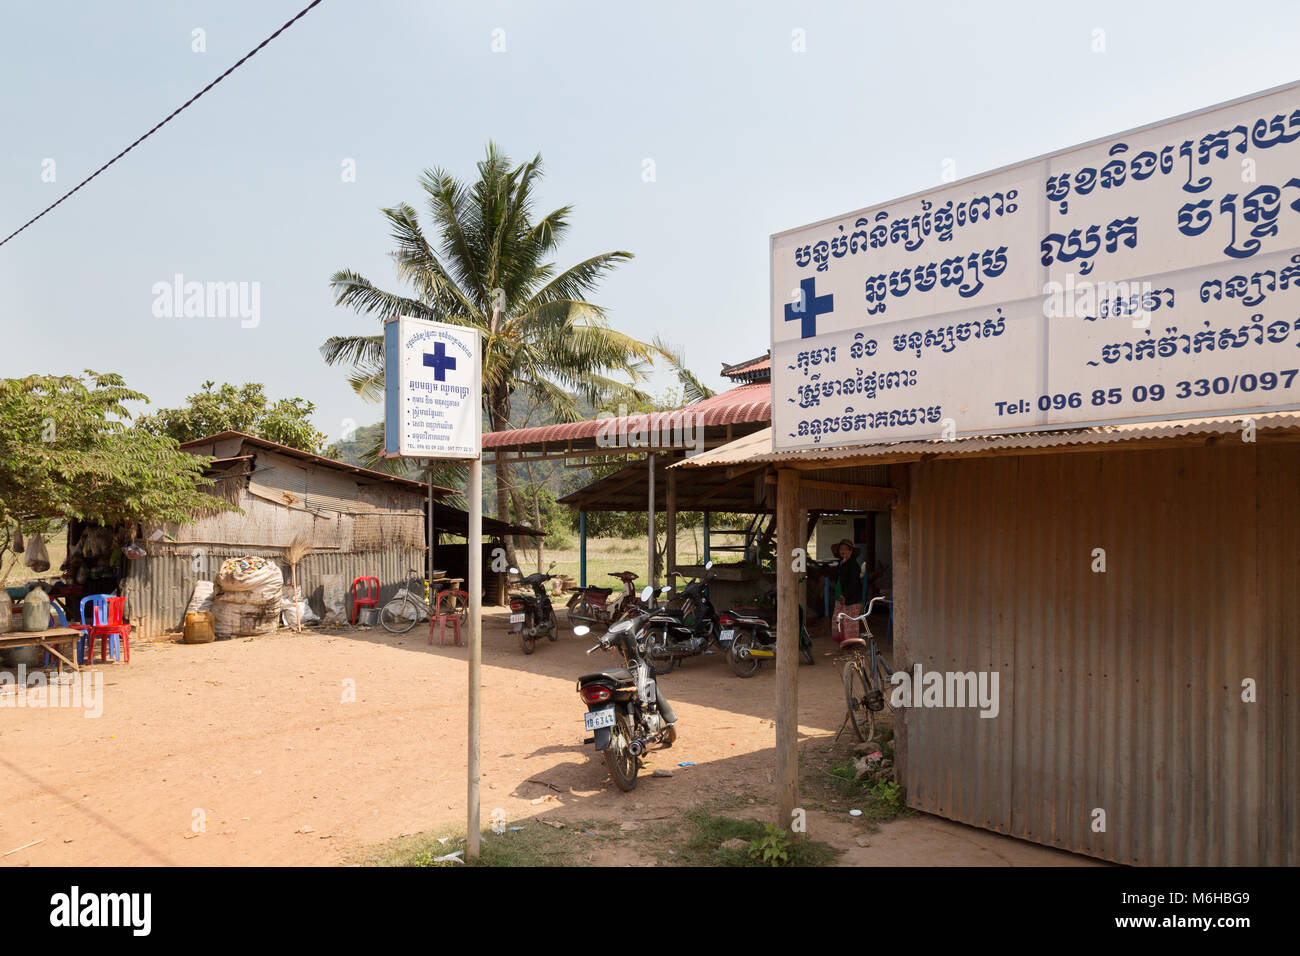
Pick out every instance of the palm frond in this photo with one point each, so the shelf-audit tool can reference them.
(693, 390)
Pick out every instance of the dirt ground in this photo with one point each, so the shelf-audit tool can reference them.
(306, 749)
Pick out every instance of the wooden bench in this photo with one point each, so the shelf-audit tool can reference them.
(50, 639)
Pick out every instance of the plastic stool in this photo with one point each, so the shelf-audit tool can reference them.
(443, 618)
(369, 596)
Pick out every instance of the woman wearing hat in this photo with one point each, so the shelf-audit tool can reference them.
(848, 591)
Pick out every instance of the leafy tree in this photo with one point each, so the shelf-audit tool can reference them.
(241, 409)
(66, 451)
(493, 271)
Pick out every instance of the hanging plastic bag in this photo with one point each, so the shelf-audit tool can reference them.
(18, 546)
(38, 559)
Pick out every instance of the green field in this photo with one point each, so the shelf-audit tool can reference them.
(605, 555)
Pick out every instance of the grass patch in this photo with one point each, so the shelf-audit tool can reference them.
(880, 801)
(700, 837)
(532, 844)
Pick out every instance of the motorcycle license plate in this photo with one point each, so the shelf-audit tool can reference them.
(725, 636)
(516, 619)
(595, 719)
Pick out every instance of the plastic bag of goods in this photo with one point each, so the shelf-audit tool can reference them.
(200, 598)
(334, 594)
(237, 619)
(37, 557)
(291, 613)
(260, 577)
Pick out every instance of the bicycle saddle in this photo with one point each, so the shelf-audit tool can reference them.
(851, 642)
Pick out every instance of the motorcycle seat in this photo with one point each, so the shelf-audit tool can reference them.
(746, 619)
(665, 619)
(619, 675)
(595, 590)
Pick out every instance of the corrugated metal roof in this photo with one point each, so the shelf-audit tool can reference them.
(757, 447)
(308, 456)
(740, 405)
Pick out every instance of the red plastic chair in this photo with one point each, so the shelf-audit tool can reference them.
(442, 618)
(109, 625)
(368, 598)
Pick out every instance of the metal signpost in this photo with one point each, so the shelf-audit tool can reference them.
(433, 409)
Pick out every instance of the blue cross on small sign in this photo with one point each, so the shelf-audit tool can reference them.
(809, 306)
(440, 361)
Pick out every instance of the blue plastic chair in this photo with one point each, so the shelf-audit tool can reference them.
(56, 617)
(98, 614)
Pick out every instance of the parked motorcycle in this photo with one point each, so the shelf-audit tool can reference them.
(626, 713)
(592, 605)
(751, 639)
(692, 628)
(531, 615)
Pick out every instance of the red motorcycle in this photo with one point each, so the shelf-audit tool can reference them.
(592, 605)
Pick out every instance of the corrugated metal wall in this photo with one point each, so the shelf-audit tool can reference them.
(158, 587)
(1119, 690)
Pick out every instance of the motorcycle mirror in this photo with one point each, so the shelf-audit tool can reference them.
(647, 593)
(709, 566)
(663, 591)
(582, 630)
(514, 570)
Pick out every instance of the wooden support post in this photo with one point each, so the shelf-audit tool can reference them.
(788, 532)
(650, 519)
(706, 537)
(428, 476)
(670, 529)
(582, 549)
(900, 542)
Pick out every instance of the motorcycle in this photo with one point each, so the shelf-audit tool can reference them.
(591, 605)
(691, 629)
(531, 615)
(751, 640)
(626, 713)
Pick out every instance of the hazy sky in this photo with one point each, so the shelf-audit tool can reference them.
(746, 136)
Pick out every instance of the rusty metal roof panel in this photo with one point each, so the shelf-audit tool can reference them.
(743, 404)
(757, 447)
(196, 447)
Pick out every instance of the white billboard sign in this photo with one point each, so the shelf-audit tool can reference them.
(1152, 275)
(432, 390)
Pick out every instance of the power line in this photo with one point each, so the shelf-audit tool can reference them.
(174, 113)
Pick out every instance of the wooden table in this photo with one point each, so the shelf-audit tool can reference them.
(50, 639)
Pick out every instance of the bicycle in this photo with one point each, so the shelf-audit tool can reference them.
(867, 684)
(403, 612)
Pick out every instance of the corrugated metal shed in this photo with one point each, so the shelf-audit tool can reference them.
(158, 588)
(1120, 691)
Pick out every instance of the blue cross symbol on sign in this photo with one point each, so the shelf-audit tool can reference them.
(440, 361)
(809, 306)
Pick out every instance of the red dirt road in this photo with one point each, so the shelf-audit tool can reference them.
(308, 748)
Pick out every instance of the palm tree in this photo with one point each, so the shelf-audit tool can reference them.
(493, 271)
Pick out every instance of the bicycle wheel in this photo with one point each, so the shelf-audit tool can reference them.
(885, 685)
(857, 685)
(393, 617)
